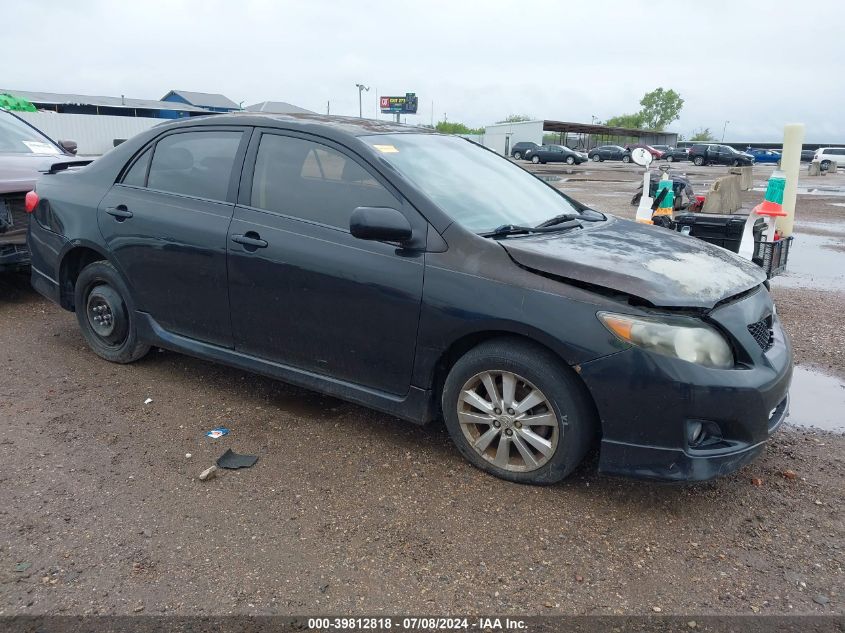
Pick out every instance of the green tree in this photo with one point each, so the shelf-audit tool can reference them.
(451, 127)
(516, 118)
(702, 135)
(660, 107)
(626, 120)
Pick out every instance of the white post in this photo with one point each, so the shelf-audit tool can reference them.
(790, 164)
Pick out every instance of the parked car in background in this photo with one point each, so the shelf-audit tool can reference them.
(520, 149)
(609, 152)
(716, 154)
(297, 247)
(556, 154)
(807, 155)
(24, 154)
(661, 148)
(673, 154)
(655, 153)
(764, 155)
(828, 155)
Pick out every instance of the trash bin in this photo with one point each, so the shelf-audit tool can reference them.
(721, 230)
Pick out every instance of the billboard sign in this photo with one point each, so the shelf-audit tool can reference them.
(399, 105)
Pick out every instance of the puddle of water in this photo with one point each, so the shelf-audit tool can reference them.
(817, 400)
(551, 178)
(810, 265)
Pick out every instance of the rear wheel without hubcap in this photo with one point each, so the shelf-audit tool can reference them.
(103, 310)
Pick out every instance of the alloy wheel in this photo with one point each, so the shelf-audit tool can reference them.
(508, 421)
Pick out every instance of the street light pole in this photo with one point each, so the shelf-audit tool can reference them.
(361, 88)
(725, 127)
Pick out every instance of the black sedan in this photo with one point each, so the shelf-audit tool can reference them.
(425, 276)
(674, 154)
(609, 152)
(556, 154)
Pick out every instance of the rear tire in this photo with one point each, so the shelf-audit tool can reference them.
(670, 158)
(539, 444)
(106, 315)
(517, 156)
(535, 160)
(570, 160)
(825, 165)
(596, 158)
(698, 161)
(626, 159)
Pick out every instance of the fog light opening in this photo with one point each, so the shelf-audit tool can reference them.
(695, 433)
(703, 434)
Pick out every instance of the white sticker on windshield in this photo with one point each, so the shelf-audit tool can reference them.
(37, 147)
(386, 149)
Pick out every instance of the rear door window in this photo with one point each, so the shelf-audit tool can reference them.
(314, 182)
(137, 174)
(197, 164)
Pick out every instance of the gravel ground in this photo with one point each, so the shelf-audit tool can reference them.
(349, 511)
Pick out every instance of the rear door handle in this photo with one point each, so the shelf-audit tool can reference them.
(120, 212)
(252, 239)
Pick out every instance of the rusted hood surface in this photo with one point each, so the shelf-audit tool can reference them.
(663, 267)
(18, 172)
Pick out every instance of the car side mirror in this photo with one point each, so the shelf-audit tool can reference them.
(381, 224)
(69, 146)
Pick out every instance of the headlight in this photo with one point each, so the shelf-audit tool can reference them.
(680, 337)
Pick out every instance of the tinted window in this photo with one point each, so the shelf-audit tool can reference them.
(195, 163)
(838, 152)
(475, 187)
(313, 182)
(137, 174)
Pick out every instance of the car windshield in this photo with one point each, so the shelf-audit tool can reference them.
(16, 137)
(476, 187)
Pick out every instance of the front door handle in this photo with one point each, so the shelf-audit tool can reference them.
(250, 239)
(120, 212)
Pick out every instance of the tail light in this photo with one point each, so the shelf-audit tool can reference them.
(30, 201)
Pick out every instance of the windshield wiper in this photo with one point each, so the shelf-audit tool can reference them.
(515, 229)
(564, 217)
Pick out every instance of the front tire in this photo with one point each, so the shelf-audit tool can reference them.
(516, 411)
(535, 160)
(670, 158)
(105, 314)
(698, 161)
(570, 160)
(626, 159)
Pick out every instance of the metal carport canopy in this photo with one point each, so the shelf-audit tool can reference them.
(604, 130)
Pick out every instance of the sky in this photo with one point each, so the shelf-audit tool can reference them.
(745, 65)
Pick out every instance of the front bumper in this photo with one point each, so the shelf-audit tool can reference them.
(646, 424)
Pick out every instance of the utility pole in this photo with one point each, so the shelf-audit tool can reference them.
(361, 88)
(328, 108)
(725, 127)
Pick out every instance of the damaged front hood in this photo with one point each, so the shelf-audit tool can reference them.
(663, 267)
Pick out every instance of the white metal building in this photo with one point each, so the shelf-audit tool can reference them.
(501, 137)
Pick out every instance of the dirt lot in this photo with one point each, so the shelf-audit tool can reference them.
(349, 511)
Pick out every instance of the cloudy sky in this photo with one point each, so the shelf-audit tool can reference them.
(756, 64)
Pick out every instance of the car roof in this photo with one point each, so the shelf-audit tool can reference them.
(352, 126)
